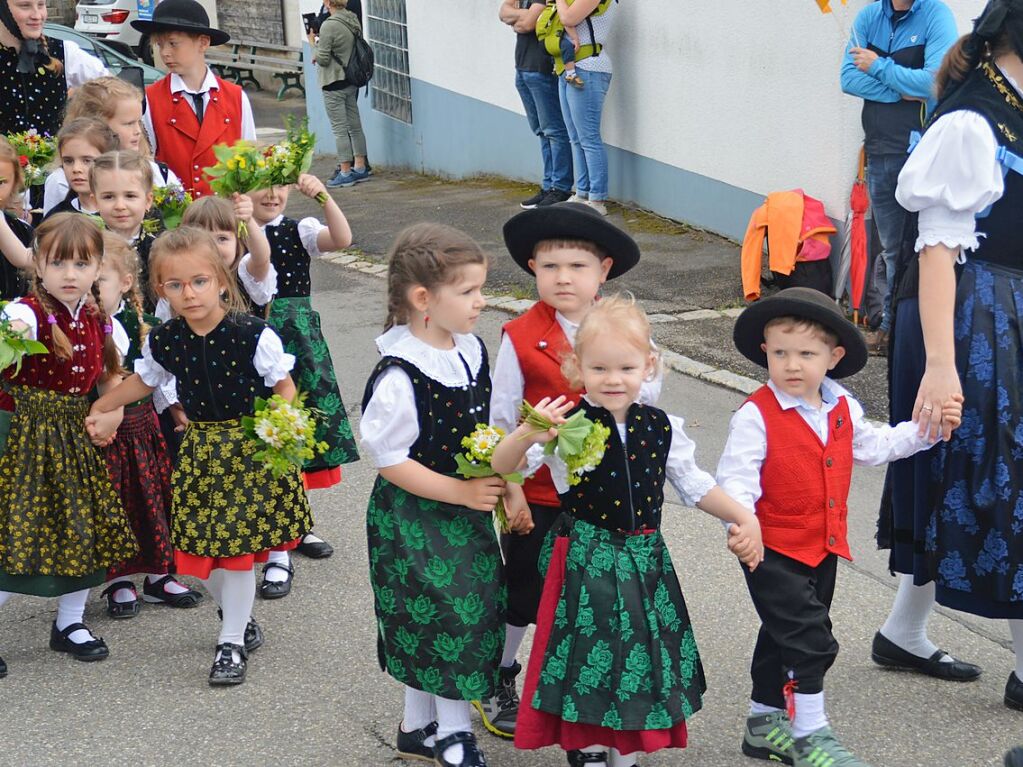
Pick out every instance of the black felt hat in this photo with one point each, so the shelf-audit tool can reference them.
(805, 303)
(569, 221)
(181, 16)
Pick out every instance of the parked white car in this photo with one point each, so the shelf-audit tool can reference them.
(109, 20)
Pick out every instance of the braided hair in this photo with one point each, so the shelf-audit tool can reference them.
(119, 255)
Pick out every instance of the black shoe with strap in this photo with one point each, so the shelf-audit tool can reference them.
(226, 670)
(471, 754)
(412, 745)
(1014, 694)
(582, 758)
(156, 593)
(314, 549)
(276, 589)
(93, 650)
(253, 636)
(121, 610)
(888, 654)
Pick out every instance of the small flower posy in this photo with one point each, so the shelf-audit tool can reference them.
(171, 201)
(475, 463)
(581, 443)
(286, 161)
(14, 346)
(240, 168)
(35, 153)
(285, 432)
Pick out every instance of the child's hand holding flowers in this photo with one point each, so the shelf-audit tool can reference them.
(578, 441)
(474, 464)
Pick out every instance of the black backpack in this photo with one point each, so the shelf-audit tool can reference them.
(359, 69)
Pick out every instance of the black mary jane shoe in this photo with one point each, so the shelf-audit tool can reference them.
(412, 745)
(582, 758)
(3, 671)
(888, 654)
(471, 754)
(121, 610)
(157, 594)
(225, 671)
(94, 649)
(314, 549)
(1014, 693)
(276, 589)
(253, 636)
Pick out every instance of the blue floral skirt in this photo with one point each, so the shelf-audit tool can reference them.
(957, 510)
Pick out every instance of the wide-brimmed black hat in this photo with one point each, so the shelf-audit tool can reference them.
(569, 221)
(805, 303)
(181, 16)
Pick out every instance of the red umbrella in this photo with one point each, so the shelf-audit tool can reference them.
(859, 202)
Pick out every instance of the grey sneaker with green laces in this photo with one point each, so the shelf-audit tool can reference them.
(769, 737)
(821, 749)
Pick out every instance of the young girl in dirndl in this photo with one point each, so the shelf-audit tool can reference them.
(292, 245)
(614, 668)
(435, 563)
(228, 510)
(140, 467)
(61, 523)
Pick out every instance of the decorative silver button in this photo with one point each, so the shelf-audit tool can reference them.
(541, 345)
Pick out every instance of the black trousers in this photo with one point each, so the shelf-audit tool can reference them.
(521, 565)
(793, 601)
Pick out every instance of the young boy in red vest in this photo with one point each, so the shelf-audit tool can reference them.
(571, 250)
(790, 452)
(191, 110)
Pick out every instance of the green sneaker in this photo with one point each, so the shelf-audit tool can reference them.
(821, 749)
(768, 737)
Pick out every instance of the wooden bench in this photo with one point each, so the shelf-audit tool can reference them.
(239, 62)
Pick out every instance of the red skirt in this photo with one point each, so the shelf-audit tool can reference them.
(538, 729)
(321, 479)
(201, 567)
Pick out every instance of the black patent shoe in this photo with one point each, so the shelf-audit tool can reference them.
(253, 636)
(121, 610)
(582, 758)
(276, 589)
(888, 654)
(156, 593)
(3, 672)
(471, 754)
(412, 745)
(225, 670)
(1014, 692)
(314, 549)
(94, 649)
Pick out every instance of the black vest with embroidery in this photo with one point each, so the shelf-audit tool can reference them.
(12, 280)
(290, 259)
(217, 380)
(626, 489)
(32, 100)
(446, 414)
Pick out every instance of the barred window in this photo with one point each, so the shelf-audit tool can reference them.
(387, 33)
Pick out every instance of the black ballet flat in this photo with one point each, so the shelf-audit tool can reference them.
(93, 650)
(472, 756)
(225, 671)
(276, 589)
(888, 654)
(121, 610)
(156, 593)
(253, 636)
(314, 549)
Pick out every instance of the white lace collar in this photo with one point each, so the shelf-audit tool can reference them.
(442, 365)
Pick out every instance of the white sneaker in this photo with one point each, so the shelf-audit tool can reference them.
(576, 198)
(598, 205)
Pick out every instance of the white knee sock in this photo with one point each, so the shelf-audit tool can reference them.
(452, 717)
(71, 609)
(276, 574)
(419, 712)
(758, 709)
(122, 595)
(616, 759)
(311, 537)
(907, 622)
(810, 714)
(238, 592)
(1016, 627)
(512, 639)
(214, 584)
(171, 586)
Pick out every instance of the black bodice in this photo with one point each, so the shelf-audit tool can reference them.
(626, 489)
(12, 281)
(290, 259)
(216, 377)
(32, 100)
(446, 414)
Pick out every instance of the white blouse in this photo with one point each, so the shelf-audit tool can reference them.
(17, 311)
(390, 422)
(270, 361)
(79, 66)
(952, 175)
(690, 481)
(55, 188)
(738, 470)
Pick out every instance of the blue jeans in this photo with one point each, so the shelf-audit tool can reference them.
(890, 219)
(582, 108)
(539, 94)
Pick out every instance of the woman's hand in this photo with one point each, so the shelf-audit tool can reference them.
(939, 387)
(481, 494)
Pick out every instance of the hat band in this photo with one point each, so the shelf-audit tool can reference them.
(177, 21)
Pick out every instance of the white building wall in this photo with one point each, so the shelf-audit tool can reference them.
(745, 92)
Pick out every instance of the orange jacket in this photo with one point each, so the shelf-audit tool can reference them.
(796, 228)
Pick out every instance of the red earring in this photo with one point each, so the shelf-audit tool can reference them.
(426, 320)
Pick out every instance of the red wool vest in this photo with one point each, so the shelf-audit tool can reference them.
(805, 484)
(181, 142)
(541, 346)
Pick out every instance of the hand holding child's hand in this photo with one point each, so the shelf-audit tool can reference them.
(102, 427)
(482, 494)
(746, 542)
(310, 186)
(552, 410)
(179, 417)
(952, 412)
(520, 517)
(242, 206)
